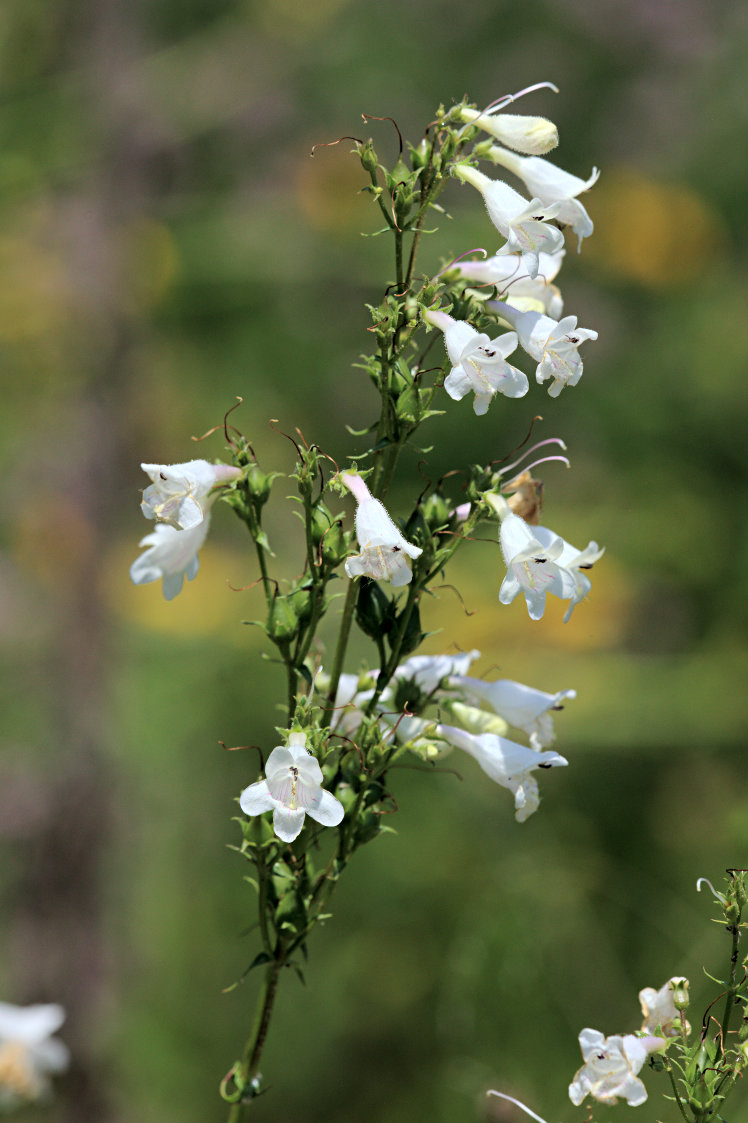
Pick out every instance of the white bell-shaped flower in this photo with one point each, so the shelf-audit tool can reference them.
(292, 789)
(478, 363)
(521, 706)
(611, 1067)
(523, 223)
(553, 344)
(659, 1009)
(532, 566)
(384, 550)
(506, 762)
(172, 556)
(180, 494)
(552, 185)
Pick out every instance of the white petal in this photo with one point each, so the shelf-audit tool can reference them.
(287, 824)
(29, 1024)
(256, 798)
(328, 811)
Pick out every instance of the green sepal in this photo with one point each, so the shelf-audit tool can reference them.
(375, 611)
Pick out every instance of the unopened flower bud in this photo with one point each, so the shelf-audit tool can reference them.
(531, 136)
(282, 624)
(368, 157)
(258, 484)
(435, 510)
(680, 993)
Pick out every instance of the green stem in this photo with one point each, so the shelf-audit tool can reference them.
(676, 1094)
(250, 1062)
(732, 987)
(342, 644)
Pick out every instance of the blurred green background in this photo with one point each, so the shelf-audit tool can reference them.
(166, 244)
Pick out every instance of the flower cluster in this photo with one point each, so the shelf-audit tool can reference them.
(612, 1064)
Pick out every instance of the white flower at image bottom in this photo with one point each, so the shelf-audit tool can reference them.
(28, 1051)
(292, 789)
(611, 1067)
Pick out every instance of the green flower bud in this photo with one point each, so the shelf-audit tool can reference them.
(367, 827)
(419, 157)
(435, 511)
(258, 484)
(368, 157)
(282, 623)
(300, 601)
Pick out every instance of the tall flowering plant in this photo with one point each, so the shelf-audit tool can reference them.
(325, 789)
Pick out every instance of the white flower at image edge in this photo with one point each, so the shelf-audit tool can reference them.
(384, 550)
(506, 762)
(172, 556)
(521, 706)
(478, 363)
(611, 1067)
(180, 493)
(28, 1051)
(292, 789)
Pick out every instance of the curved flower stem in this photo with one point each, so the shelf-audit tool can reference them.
(250, 1061)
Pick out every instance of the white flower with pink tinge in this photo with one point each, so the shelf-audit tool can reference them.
(553, 344)
(384, 550)
(292, 789)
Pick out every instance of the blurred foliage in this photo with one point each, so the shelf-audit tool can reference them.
(168, 244)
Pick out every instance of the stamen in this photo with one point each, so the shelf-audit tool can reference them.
(454, 261)
(517, 1103)
(502, 102)
(542, 460)
(529, 451)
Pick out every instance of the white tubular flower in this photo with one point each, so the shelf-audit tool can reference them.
(522, 223)
(519, 705)
(180, 494)
(383, 548)
(478, 363)
(532, 135)
(28, 1051)
(291, 790)
(574, 561)
(659, 1009)
(428, 671)
(553, 185)
(611, 1067)
(506, 762)
(520, 291)
(553, 344)
(172, 556)
(532, 566)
